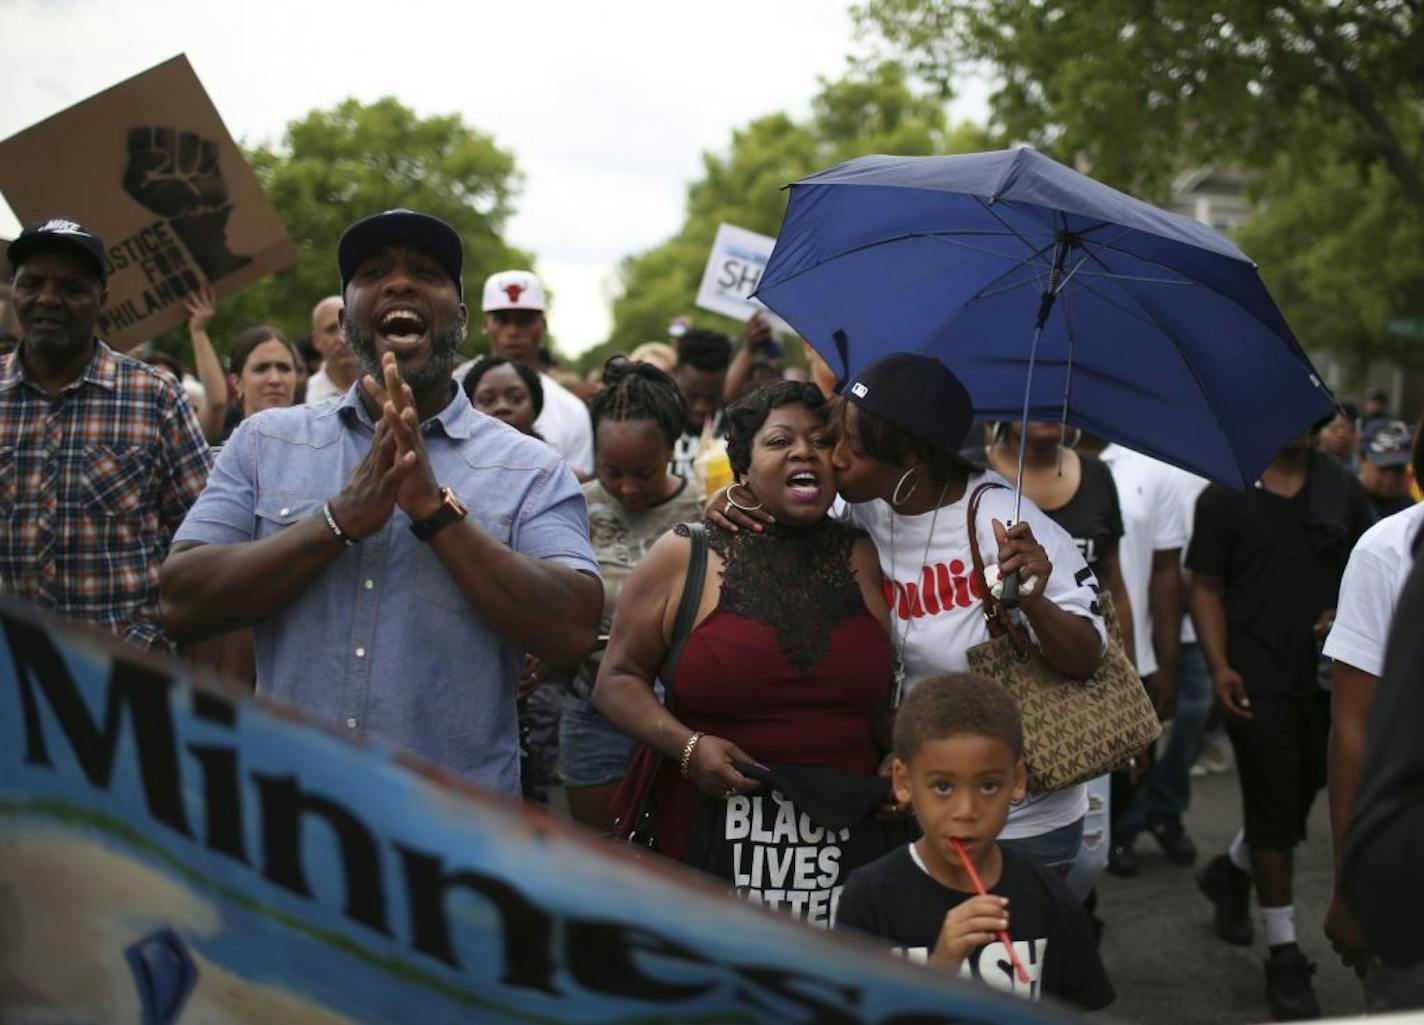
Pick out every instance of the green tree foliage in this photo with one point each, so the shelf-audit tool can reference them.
(1136, 89)
(873, 109)
(336, 166)
(1343, 257)
(1319, 100)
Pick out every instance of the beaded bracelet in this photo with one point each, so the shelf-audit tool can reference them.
(687, 750)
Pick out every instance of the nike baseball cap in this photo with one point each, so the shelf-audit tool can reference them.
(402, 227)
(514, 290)
(64, 233)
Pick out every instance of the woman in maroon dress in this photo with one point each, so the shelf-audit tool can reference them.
(789, 663)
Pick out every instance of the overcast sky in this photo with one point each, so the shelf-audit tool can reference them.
(607, 107)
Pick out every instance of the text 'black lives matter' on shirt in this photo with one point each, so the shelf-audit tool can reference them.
(791, 847)
(896, 900)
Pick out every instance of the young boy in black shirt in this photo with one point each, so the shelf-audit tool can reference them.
(959, 763)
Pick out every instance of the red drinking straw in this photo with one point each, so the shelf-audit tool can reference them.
(1003, 934)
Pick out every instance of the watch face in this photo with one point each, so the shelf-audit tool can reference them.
(453, 501)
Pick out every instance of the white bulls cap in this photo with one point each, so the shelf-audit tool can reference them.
(514, 290)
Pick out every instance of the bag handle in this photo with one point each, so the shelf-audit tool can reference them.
(687, 607)
(1000, 623)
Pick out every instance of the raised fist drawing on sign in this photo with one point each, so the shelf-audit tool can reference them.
(176, 175)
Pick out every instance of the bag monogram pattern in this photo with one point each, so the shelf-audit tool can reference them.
(1074, 730)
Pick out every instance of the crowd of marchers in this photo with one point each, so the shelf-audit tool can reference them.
(722, 606)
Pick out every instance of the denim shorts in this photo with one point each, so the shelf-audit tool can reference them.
(1055, 850)
(592, 751)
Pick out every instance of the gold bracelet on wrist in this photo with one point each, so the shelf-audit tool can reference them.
(687, 749)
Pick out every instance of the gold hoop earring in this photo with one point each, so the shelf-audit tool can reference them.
(895, 497)
(732, 501)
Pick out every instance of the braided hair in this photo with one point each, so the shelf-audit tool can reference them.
(639, 391)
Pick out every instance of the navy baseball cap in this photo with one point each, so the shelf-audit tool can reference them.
(918, 394)
(1386, 442)
(64, 233)
(404, 227)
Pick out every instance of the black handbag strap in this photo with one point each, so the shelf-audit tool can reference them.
(687, 607)
(643, 828)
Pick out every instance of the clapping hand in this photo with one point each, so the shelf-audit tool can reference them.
(419, 493)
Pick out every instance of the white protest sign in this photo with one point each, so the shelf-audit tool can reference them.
(733, 272)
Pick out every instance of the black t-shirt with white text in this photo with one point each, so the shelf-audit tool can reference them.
(1093, 516)
(896, 900)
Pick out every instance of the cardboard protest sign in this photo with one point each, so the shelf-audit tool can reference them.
(149, 165)
(733, 272)
(174, 851)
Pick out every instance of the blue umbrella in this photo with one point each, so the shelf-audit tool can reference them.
(1052, 297)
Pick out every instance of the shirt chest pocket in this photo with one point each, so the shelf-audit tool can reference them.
(115, 481)
(278, 510)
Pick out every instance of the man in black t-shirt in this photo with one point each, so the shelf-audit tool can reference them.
(952, 898)
(1267, 564)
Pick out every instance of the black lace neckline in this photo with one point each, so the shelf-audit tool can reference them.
(796, 580)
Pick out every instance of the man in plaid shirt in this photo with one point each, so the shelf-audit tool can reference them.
(100, 455)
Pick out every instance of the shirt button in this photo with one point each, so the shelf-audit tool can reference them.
(284, 511)
(360, 652)
(351, 723)
(370, 584)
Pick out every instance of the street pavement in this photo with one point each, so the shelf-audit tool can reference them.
(1159, 948)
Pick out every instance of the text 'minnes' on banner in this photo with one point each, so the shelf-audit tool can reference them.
(178, 853)
(149, 165)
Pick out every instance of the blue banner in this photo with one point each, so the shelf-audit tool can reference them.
(175, 850)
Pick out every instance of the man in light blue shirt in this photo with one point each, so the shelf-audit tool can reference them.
(396, 552)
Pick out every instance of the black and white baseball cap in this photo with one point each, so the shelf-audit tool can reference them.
(918, 394)
(63, 233)
(1387, 442)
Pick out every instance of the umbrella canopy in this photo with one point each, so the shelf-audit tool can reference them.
(1156, 331)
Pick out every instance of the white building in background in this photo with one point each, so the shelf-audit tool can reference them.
(1214, 196)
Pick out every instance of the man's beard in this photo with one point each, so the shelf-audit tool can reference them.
(444, 346)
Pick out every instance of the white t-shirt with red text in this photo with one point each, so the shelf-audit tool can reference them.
(935, 611)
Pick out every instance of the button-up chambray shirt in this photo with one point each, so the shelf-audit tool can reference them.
(384, 642)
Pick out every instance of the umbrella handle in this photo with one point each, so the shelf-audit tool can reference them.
(1010, 597)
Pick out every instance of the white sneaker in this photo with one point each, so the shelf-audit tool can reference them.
(1215, 759)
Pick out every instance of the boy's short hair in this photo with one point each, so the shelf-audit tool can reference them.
(953, 703)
